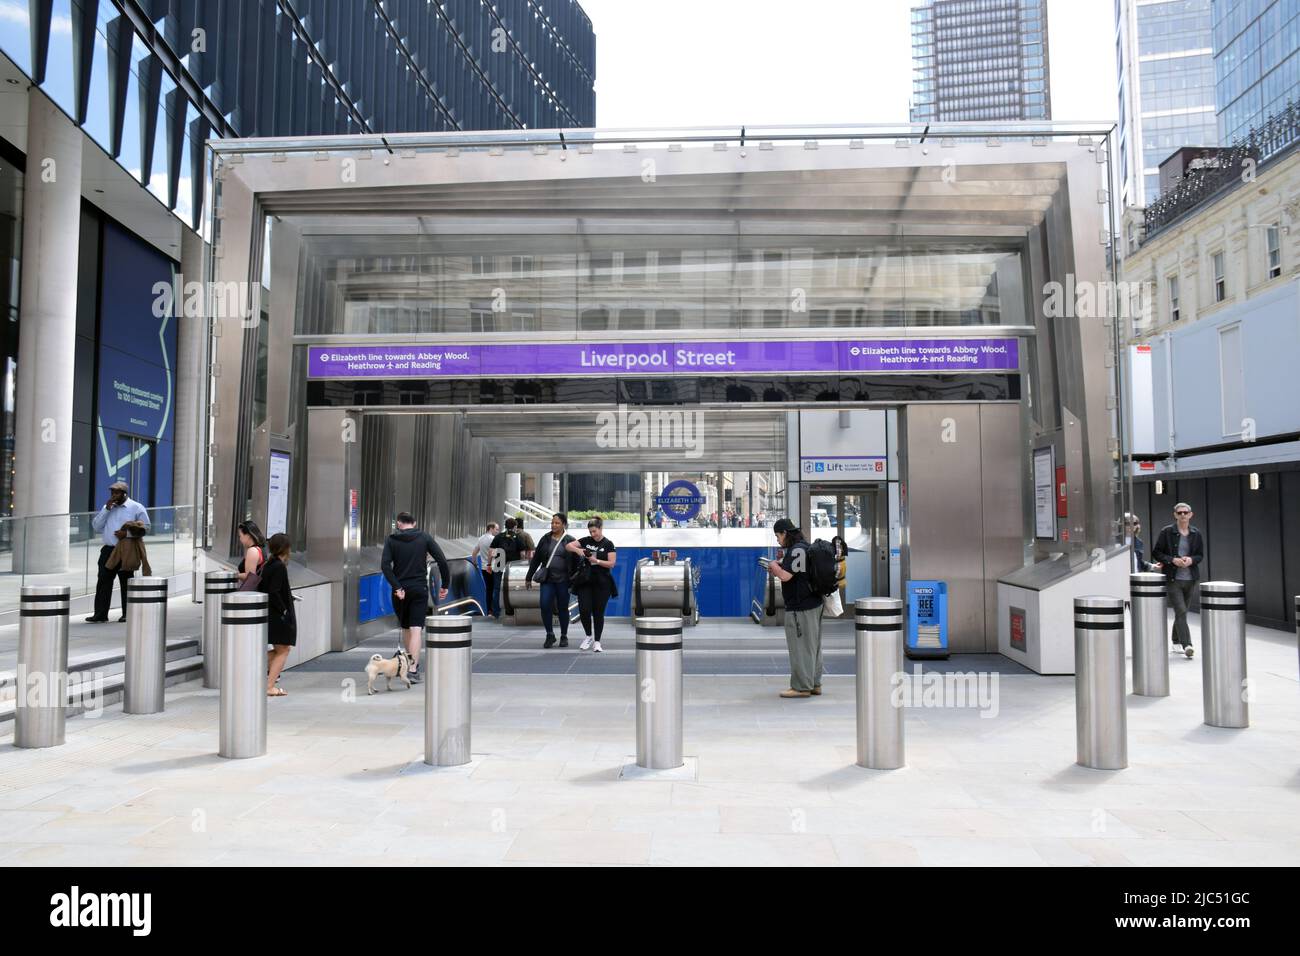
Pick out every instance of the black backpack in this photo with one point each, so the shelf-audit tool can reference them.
(821, 567)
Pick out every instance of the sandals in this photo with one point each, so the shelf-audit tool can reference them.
(277, 692)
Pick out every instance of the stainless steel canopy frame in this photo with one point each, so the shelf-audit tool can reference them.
(325, 241)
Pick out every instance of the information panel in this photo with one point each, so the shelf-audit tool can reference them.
(1044, 493)
(277, 499)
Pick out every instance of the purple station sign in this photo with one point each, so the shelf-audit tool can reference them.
(663, 358)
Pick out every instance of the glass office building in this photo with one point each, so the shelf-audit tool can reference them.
(1165, 62)
(150, 80)
(122, 96)
(1256, 62)
(980, 60)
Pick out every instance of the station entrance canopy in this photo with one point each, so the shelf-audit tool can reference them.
(764, 269)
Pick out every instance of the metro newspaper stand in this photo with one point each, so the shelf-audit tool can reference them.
(927, 620)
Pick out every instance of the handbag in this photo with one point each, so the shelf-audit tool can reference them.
(581, 576)
(831, 604)
(542, 574)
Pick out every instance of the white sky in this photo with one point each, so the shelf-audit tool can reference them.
(665, 63)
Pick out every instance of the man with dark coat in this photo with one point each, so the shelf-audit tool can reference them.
(1178, 552)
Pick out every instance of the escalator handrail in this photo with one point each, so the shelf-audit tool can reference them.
(686, 587)
(638, 609)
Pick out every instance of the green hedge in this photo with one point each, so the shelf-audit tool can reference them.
(606, 515)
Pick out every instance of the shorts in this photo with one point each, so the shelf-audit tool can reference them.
(412, 611)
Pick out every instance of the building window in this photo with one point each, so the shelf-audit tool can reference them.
(1174, 314)
(1220, 282)
(1273, 237)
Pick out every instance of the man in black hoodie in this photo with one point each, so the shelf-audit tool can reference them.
(405, 567)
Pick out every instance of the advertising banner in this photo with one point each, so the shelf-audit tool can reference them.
(135, 396)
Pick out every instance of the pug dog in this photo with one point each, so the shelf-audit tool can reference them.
(399, 666)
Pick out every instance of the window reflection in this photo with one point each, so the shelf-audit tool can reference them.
(403, 281)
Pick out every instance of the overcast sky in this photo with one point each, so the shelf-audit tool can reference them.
(666, 63)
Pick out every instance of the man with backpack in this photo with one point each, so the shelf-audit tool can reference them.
(802, 571)
(505, 548)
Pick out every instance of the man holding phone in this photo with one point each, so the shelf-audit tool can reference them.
(117, 511)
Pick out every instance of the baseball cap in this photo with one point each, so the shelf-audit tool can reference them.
(784, 526)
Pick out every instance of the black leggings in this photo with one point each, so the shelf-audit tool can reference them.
(591, 606)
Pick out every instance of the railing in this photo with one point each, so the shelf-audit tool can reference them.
(33, 551)
(533, 512)
(1278, 132)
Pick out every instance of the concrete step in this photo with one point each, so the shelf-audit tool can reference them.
(108, 663)
(107, 692)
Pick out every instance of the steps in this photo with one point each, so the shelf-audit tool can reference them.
(97, 680)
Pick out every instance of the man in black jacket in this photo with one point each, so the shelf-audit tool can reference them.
(1178, 552)
(405, 567)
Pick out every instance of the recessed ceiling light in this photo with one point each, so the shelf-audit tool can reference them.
(99, 190)
(10, 79)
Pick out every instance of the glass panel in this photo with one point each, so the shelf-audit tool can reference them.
(15, 33)
(158, 176)
(130, 155)
(576, 275)
(58, 84)
(96, 124)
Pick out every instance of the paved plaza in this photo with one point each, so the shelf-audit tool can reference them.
(772, 781)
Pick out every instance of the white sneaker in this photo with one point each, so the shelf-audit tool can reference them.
(585, 645)
(597, 648)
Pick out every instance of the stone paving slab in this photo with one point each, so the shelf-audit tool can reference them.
(774, 781)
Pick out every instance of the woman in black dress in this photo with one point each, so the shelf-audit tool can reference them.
(597, 585)
(282, 630)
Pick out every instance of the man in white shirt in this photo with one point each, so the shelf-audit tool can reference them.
(482, 554)
(117, 511)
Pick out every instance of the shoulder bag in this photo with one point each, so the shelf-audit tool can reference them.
(543, 574)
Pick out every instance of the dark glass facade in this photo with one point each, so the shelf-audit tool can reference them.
(980, 60)
(151, 80)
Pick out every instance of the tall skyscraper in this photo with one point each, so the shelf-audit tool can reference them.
(1166, 88)
(980, 60)
(1256, 62)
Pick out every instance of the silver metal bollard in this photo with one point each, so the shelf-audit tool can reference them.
(448, 643)
(42, 691)
(215, 584)
(242, 731)
(878, 648)
(1149, 597)
(658, 692)
(146, 646)
(1100, 707)
(1223, 654)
